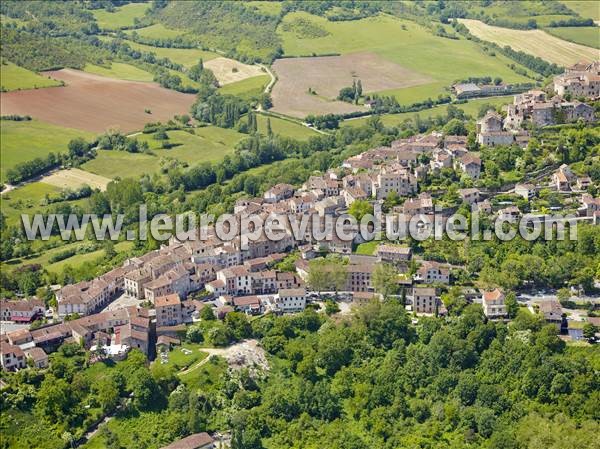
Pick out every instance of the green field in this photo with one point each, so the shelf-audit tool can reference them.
(589, 36)
(78, 259)
(208, 144)
(207, 376)
(184, 56)
(121, 71)
(542, 20)
(74, 261)
(179, 360)
(185, 80)
(25, 200)
(285, 128)
(9, 20)
(250, 87)
(367, 248)
(130, 72)
(13, 77)
(405, 43)
(26, 140)
(270, 8)
(122, 17)
(470, 108)
(585, 8)
(156, 31)
(113, 164)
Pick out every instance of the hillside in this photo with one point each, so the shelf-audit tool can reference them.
(535, 42)
(181, 265)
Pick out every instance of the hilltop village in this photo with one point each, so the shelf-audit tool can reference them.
(150, 299)
(299, 224)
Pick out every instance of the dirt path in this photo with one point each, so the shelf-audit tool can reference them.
(246, 353)
(273, 79)
(210, 352)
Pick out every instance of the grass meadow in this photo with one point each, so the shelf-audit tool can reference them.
(285, 128)
(74, 261)
(470, 108)
(122, 17)
(250, 87)
(26, 140)
(25, 200)
(13, 77)
(589, 36)
(184, 56)
(120, 70)
(208, 144)
(157, 31)
(406, 43)
(585, 8)
(266, 7)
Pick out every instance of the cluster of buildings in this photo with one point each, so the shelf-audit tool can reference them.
(117, 331)
(493, 130)
(579, 80)
(240, 274)
(535, 108)
(376, 173)
(23, 311)
(582, 81)
(564, 180)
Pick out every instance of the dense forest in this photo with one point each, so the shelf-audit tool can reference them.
(372, 380)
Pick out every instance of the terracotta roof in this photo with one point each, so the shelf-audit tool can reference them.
(37, 354)
(468, 159)
(165, 340)
(235, 271)
(194, 441)
(169, 300)
(493, 295)
(241, 301)
(11, 349)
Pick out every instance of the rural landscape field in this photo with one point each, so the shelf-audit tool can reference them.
(130, 320)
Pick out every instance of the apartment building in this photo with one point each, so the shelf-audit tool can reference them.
(493, 304)
(168, 310)
(425, 300)
(291, 300)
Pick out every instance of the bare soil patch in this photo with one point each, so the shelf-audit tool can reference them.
(74, 178)
(245, 354)
(96, 103)
(327, 75)
(230, 71)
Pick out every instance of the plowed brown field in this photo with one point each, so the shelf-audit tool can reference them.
(327, 75)
(96, 103)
